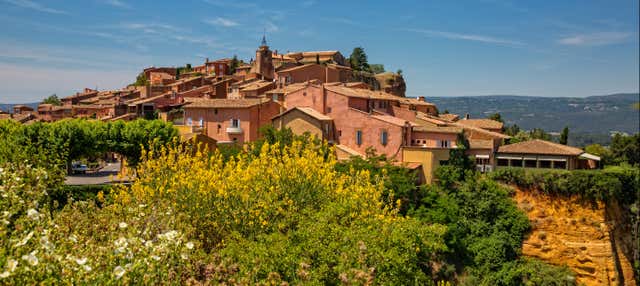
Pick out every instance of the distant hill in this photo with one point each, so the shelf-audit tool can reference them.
(593, 114)
(9, 107)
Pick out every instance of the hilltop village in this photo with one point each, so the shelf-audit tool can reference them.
(316, 92)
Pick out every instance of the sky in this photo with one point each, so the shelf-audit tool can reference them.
(444, 48)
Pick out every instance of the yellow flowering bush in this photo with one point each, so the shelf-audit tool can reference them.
(283, 214)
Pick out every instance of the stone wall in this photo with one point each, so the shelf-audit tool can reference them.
(588, 238)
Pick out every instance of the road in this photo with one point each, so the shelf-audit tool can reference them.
(106, 175)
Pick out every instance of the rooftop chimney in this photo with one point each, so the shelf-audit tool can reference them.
(421, 98)
(466, 116)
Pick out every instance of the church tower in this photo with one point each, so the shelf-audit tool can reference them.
(264, 62)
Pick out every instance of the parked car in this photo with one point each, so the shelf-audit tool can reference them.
(78, 168)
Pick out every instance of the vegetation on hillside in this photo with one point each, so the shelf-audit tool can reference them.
(281, 210)
(52, 99)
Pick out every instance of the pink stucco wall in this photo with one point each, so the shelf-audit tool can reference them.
(251, 119)
(431, 139)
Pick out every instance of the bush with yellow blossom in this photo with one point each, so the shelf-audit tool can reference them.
(279, 215)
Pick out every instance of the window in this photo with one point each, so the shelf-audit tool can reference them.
(326, 128)
(328, 109)
(215, 111)
(384, 137)
(530, 163)
(503, 162)
(359, 137)
(235, 123)
(559, 165)
(275, 97)
(516, 163)
(339, 133)
(544, 164)
(444, 143)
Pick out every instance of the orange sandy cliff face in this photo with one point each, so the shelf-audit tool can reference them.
(581, 236)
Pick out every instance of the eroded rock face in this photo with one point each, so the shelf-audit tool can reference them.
(582, 236)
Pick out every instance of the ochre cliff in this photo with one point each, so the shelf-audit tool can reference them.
(588, 238)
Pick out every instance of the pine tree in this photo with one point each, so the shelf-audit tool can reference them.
(564, 136)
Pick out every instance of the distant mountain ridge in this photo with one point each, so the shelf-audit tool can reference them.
(601, 114)
(9, 107)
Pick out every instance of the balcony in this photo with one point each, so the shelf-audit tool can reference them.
(234, 130)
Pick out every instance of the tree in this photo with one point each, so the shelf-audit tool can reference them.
(399, 72)
(358, 60)
(377, 68)
(626, 149)
(539, 133)
(233, 65)
(564, 136)
(512, 130)
(52, 99)
(496, 116)
(141, 79)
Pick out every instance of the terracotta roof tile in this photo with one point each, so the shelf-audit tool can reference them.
(449, 116)
(289, 88)
(482, 123)
(361, 93)
(223, 102)
(538, 146)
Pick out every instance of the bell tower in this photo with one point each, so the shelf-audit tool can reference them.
(264, 61)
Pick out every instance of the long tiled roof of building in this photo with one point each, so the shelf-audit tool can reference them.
(482, 123)
(538, 146)
(146, 99)
(449, 116)
(392, 119)
(296, 68)
(413, 101)
(223, 102)
(481, 130)
(307, 110)
(289, 88)
(429, 127)
(313, 113)
(256, 85)
(361, 93)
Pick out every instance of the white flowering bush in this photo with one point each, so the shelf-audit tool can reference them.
(85, 244)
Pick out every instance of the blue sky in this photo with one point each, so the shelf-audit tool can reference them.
(445, 48)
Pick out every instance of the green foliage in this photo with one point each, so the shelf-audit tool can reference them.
(399, 72)
(564, 136)
(377, 68)
(141, 80)
(526, 272)
(536, 133)
(485, 227)
(358, 60)
(512, 130)
(233, 65)
(52, 99)
(618, 183)
(495, 116)
(625, 149)
(55, 145)
(399, 182)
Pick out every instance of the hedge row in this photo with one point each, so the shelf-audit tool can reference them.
(620, 183)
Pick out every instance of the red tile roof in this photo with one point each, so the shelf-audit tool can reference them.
(223, 102)
(538, 146)
(482, 123)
